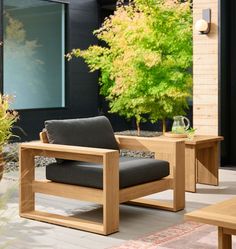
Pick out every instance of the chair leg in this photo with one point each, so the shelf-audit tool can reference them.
(27, 175)
(110, 218)
(179, 179)
(177, 172)
(111, 193)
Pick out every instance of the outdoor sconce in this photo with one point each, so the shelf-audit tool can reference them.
(203, 26)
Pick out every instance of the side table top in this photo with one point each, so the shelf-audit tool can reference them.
(198, 139)
(222, 214)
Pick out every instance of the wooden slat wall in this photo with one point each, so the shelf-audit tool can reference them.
(205, 72)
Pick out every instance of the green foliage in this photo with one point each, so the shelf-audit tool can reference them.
(191, 132)
(145, 68)
(7, 119)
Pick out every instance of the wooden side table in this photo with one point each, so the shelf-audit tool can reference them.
(201, 161)
(223, 215)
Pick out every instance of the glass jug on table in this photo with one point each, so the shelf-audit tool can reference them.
(180, 125)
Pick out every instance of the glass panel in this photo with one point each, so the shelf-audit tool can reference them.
(34, 48)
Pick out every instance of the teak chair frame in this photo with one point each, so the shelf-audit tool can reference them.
(171, 150)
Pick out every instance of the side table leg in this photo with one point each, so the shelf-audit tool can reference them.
(224, 240)
(190, 168)
(208, 164)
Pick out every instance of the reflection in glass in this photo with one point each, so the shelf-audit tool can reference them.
(34, 53)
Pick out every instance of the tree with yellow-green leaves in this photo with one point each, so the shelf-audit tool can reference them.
(145, 67)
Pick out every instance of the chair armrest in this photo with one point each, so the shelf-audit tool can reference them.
(168, 149)
(79, 153)
(154, 144)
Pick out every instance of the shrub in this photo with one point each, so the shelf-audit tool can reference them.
(7, 119)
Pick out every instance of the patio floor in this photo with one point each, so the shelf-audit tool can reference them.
(18, 233)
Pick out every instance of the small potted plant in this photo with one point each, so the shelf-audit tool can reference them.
(7, 119)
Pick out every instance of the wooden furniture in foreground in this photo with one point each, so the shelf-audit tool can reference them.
(201, 161)
(223, 215)
(110, 196)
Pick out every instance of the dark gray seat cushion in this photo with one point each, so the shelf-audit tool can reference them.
(93, 132)
(132, 172)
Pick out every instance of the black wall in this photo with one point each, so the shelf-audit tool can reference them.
(232, 85)
(81, 86)
(225, 98)
(228, 80)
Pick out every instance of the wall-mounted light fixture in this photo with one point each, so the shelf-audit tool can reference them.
(203, 26)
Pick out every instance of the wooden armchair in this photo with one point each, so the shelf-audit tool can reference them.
(111, 194)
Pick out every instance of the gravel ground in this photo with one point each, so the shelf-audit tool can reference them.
(10, 152)
(138, 154)
(142, 133)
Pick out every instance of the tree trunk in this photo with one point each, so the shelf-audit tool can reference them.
(163, 126)
(138, 127)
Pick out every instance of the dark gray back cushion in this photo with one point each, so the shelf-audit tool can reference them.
(93, 132)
